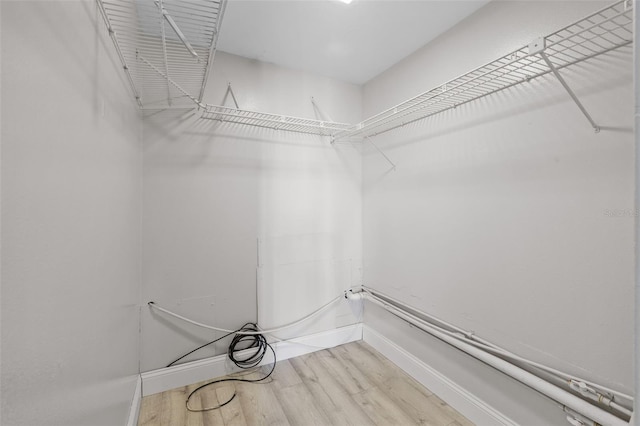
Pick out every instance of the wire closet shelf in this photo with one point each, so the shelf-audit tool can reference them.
(272, 121)
(608, 29)
(176, 37)
(167, 48)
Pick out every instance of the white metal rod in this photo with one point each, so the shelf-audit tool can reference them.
(177, 86)
(424, 314)
(568, 89)
(548, 389)
(317, 109)
(233, 96)
(176, 29)
(381, 153)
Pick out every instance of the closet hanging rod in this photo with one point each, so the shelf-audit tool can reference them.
(601, 32)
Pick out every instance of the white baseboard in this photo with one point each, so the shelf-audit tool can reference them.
(134, 411)
(185, 374)
(459, 398)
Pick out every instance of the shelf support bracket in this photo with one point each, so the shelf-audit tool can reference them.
(393, 166)
(175, 27)
(233, 96)
(173, 83)
(562, 81)
(320, 115)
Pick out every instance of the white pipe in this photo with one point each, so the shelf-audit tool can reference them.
(248, 333)
(424, 314)
(479, 342)
(557, 394)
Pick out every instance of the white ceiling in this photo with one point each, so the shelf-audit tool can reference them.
(351, 42)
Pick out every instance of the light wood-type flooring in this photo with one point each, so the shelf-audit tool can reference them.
(352, 384)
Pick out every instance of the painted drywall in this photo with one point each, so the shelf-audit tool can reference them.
(636, 78)
(71, 181)
(509, 216)
(244, 223)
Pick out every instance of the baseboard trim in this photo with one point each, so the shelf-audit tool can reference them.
(459, 398)
(181, 375)
(134, 411)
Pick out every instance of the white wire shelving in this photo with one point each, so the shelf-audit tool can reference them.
(273, 121)
(167, 48)
(605, 30)
(176, 37)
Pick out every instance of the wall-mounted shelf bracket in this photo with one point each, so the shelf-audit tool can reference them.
(537, 47)
(170, 81)
(175, 27)
(320, 115)
(233, 96)
(393, 166)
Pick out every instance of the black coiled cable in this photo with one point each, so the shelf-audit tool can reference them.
(253, 358)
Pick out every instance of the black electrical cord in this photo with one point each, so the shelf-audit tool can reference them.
(240, 342)
(200, 347)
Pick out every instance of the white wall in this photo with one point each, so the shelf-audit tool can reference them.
(494, 220)
(71, 167)
(636, 77)
(218, 197)
(497, 217)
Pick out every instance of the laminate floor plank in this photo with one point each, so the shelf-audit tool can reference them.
(284, 375)
(232, 412)
(381, 409)
(203, 399)
(363, 349)
(329, 395)
(150, 410)
(352, 384)
(417, 404)
(174, 412)
(371, 366)
(260, 404)
(346, 373)
(300, 406)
